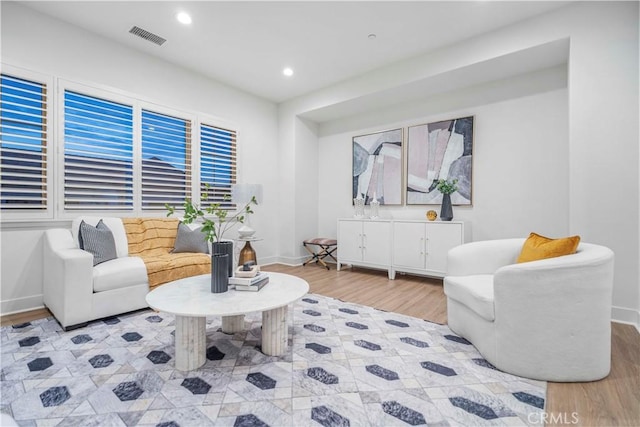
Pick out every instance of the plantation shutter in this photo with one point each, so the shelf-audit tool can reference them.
(217, 164)
(23, 144)
(166, 160)
(98, 153)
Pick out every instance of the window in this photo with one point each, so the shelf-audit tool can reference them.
(98, 153)
(111, 153)
(166, 160)
(217, 164)
(23, 145)
(121, 155)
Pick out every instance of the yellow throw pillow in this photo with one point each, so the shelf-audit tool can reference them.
(539, 247)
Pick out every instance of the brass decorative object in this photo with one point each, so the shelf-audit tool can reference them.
(432, 215)
(247, 254)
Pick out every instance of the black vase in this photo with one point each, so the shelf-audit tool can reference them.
(446, 213)
(219, 277)
(225, 247)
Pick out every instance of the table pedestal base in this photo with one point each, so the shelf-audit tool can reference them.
(191, 342)
(191, 338)
(274, 331)
(232, 324)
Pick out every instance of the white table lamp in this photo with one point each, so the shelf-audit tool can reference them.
(241, 194)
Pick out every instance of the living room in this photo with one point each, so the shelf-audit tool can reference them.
(554, 97)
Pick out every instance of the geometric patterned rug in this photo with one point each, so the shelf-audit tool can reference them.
(346, 365)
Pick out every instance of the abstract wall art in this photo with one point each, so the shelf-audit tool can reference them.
(377, 167)
(440, 150)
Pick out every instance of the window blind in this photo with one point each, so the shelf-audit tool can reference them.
(23, 144)
(166, 160)
(98, 153)
(217, 165)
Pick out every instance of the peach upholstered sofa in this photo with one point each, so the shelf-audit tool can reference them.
(76, 291)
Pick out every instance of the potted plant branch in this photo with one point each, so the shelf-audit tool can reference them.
(447, 187)
(215, 223)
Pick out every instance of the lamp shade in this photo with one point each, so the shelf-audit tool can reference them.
(241, 194)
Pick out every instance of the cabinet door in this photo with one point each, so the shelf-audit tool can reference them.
(408, 244)
(377, 242)
(441, 238)
(350, 240)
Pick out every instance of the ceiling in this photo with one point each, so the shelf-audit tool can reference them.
(246, 44)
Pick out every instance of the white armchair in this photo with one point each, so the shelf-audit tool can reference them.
(546, 320)
(76, 292)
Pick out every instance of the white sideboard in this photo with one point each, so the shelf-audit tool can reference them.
(420, 247)
(409, 246)
(365, 243)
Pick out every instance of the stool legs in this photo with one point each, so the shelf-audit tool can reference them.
(326, 251)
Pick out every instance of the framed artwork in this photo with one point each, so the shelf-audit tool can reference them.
(440, 150)
(377, 167)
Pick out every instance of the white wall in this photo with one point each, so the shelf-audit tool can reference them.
(40, 43)
(602, 149)
(604, 144)
(286, 167)
(307, 180)
(520, 169)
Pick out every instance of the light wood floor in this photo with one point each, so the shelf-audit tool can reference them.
(613, 401)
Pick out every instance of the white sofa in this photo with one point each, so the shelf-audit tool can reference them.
(546, 320)
(76, 292)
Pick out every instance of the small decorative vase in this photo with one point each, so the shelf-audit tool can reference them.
(245, 232)
(247, 254)
(446, 213)
(225, 247)
(358, 204)
(220, 273)
(375, 207)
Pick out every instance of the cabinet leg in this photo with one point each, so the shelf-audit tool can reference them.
(392, 274)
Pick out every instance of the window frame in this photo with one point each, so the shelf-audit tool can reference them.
(209, 121)
(48, 212)
(138, 103)
(179, 114)
(62, 87)
(55, 115)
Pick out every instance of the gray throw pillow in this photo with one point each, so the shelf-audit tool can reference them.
(98, 241)
(188, 240)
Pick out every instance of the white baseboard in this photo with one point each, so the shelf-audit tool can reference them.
(20, 305)
(267, 260)
(295, 261)
(290, 261)
(627, 316)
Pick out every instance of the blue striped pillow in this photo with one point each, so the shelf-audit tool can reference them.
(98, 241)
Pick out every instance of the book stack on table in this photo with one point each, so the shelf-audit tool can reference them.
(250, 283)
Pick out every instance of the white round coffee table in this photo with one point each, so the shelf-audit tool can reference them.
(191, 300)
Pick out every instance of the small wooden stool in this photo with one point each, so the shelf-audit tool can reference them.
(326, 249)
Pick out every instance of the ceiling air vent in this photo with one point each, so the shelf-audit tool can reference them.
(153, 38)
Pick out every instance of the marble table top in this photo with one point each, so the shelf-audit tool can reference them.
(192, 296)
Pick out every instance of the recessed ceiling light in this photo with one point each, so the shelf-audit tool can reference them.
(287, 72)
(183, 18)
(371, 36)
